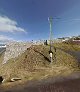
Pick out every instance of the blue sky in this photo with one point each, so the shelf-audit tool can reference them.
(27, 20)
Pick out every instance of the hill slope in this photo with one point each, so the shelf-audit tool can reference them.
(34, 63)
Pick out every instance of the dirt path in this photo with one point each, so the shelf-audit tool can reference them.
(75, 54)
(67, 86)
(58, 84)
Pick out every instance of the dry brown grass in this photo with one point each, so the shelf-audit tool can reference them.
(34, 64)
(68, 46)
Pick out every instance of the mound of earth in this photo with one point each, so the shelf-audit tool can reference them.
(35, 63)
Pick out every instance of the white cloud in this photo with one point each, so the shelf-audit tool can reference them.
(5, 38)
(9, 25)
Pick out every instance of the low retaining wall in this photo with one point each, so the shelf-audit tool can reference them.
(13, 49)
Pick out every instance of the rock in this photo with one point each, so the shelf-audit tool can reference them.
(1, 79)
(15, 79)
(14, 49)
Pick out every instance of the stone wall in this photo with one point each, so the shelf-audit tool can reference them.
(13, 49)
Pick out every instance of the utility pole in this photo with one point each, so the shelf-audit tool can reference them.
(50, 19)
